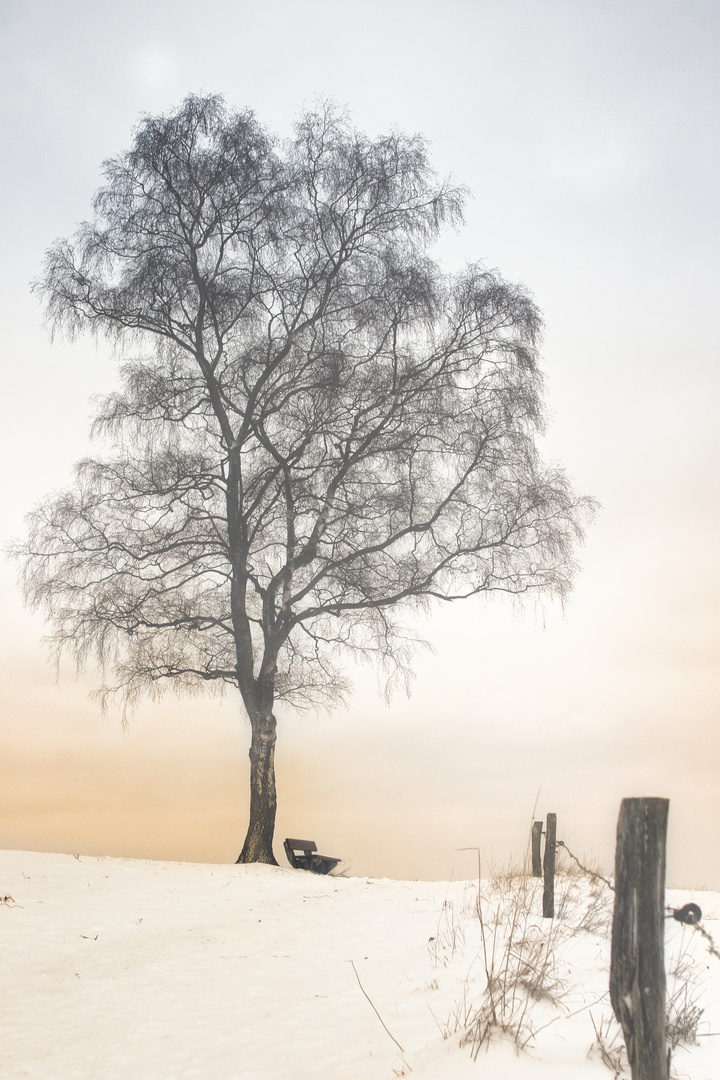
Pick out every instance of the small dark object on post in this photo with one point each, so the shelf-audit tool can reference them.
(690, 914)
(308, 860)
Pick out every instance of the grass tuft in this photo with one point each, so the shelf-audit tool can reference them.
(519, 981)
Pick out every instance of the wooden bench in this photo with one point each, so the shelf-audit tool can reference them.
(302, 854)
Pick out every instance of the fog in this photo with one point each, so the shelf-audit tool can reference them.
(588, 135)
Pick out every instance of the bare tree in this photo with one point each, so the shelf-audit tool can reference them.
(317, 430)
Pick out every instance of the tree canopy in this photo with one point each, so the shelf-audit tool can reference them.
(318, 429)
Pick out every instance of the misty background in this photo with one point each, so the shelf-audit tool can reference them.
(588, 134)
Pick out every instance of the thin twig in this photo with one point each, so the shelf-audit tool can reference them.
(375, 1010)
(565, 1016)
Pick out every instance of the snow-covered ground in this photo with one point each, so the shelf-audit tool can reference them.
(117, 968)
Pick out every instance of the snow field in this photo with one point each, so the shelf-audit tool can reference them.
(117, 968)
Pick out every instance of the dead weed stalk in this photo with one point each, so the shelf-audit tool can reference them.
(518, 959)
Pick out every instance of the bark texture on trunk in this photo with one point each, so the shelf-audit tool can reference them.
(637, 962)
(263, 796)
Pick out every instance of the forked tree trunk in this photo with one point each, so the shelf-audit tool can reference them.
(263, 797)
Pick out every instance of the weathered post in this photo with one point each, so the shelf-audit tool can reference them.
(637, 962)
(535, 840)
(549, 867)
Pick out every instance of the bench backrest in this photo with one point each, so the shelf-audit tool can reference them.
(307, 847)
(301, 845)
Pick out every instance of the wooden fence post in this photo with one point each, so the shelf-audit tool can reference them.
(549, 867)
(536, 838)
(637, 963)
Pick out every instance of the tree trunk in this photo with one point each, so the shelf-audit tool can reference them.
(263, 797)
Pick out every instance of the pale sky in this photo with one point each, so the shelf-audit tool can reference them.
(588, 134)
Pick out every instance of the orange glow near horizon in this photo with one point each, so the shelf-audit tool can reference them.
(595, 165)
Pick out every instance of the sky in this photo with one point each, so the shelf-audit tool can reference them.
(587, 133)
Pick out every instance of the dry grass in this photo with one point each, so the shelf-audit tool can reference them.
(449, 935)
(683, 1013)
(517, 956)
(609, 1045)
(526, 980)
(682, 1019)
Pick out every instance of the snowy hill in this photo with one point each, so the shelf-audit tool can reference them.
(115, 968)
